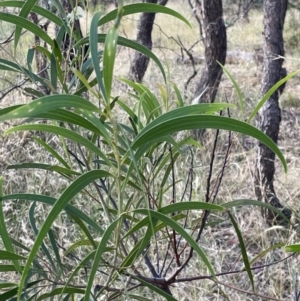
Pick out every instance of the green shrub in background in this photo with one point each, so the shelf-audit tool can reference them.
(126, 170)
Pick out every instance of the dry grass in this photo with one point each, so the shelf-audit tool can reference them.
(220, 243)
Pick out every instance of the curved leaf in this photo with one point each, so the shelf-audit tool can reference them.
(6, 255)
(270, 92)
(292, 248)
(93, 42)
(58, 169)
(51, 201)
(59, 291)
(49, 103)
(4, 233)
(25, 24)
(130, 44)
(143, 8)
(100, 250)
(36, 9)
(26, 8)
(243, 248)
(170, 126)
(62, 132)
(175, 226)
(72, 190)
(244, 202)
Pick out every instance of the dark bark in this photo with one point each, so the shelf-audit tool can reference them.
(215, 40)
(140, 62)
(269, 116)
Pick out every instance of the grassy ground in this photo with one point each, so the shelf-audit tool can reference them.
(219, 243)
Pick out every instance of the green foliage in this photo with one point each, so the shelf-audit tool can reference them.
(126, 169)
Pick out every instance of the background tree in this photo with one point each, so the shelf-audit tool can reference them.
(215, 42)
(269, 115)
(140, 61)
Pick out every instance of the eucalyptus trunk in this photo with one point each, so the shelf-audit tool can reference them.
(269, 116)
(215, 42)
(140, 62)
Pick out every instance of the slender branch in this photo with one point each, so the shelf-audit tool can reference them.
(248, 292)
(201, 277)
(220, 177)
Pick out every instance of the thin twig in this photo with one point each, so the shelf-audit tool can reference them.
(201, 277)
(248, 292)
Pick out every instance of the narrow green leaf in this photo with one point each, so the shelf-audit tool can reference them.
(49, 103)
(58, 291)
(81, 265)
(73, 118)
(62, 132)
(109, 54)
(55, 250)
(51, 201)
(30, 56)
(145, 221)
(292, 248)
(137, 297)
(246, 202)
(85, 230)
(237, 89)
(59, 7)
(8, 268)
(100, 250)
(57, 52)
(266, 251)
(93, 41)
(4, 233)
(180, 100)
(8, 295)
(36, 9)
(161, 127)
(36, 231)
(7, 284)
(84, 242)
(31, 75)
(133, 45)
(6, 255)
(175, 226)
(197, 109)
(177, 207)
(270, 92)
(142, 8)
(25, 24)
(53, 72)
(53, 152)
(43, 50)
(26, 8)
(58, 169)
(7, 68)
(70, 192)
(243, 249)
(34, 92)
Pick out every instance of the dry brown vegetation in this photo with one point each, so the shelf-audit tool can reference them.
(219, 243)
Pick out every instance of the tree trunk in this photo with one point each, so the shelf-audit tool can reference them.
(215, 41)
(269, 116)
(140, 62)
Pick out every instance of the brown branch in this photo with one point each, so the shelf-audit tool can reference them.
(195, 278)
(248, 292)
